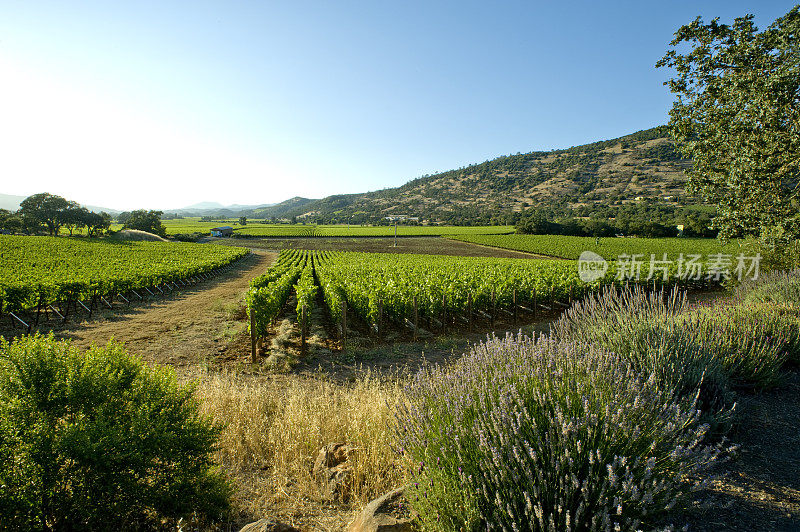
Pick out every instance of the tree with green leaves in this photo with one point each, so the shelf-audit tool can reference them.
(43, 209)
(74, 217)
(10, 222)
(149, 221)
(737, 116)
(97, 223)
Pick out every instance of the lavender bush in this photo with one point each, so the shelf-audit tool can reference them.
(774, 301)
(779, 287)
(538, 434)
(645, 329)
(751, 341)
(715, 346)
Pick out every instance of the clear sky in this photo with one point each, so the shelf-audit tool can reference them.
(162, 104)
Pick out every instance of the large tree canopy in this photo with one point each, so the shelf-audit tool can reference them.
(44, 209)
(737, 116)
(149, 221)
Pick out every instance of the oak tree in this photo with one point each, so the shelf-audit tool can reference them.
(737, 116)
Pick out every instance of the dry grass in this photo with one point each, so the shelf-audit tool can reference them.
(276, 427)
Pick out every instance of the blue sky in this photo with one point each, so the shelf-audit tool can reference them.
(164, 104)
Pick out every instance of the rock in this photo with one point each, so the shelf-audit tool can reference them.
(389, 513)
(268, 525)
(332, 471)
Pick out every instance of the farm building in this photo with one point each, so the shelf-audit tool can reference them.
(225, 230)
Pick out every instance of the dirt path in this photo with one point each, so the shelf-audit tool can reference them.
(760, 488)
(189, 327)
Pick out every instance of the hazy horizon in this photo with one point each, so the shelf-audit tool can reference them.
(159, 106)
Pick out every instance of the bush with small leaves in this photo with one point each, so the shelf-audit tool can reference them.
(97, 440)
(537, 434)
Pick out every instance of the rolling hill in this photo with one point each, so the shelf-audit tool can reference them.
(643, 165)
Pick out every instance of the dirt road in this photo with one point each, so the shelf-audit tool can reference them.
(188, 327)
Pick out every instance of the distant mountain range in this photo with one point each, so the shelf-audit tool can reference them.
(640, 166)
(212, 208)
(10, 202)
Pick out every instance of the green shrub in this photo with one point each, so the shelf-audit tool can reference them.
(780, 288)
(644, 328)
(189, 237)
(751, 341)
(773, 301)
(539, 435)
(98, 440)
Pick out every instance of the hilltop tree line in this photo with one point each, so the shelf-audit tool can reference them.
(46, 213)
(644, 219)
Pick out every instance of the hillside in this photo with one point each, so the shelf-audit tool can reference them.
(641, 165)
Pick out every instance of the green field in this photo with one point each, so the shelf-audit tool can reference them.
(192, 225)
(366, 231)
(570, 247)
(50, 269)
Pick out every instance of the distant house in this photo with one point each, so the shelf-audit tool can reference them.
(401, 218)
(225, 230)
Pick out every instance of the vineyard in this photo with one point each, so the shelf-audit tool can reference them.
(410, 291)
(366, 231)
(570, 247)
(36, 272)
(258, 229)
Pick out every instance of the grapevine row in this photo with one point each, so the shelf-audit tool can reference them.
(378, 287)
(36, 272)
(269, 292)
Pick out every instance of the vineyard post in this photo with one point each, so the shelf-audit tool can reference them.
(253, 353)
(494, 307)
(444, 313)
(38, 311)
(469, 310)
(514, 303)
(303, 327)
(534, 303)
(570, 295)
(380, 317)
(344, 323)
(416, 317)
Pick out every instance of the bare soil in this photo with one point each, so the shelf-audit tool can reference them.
(759, 489)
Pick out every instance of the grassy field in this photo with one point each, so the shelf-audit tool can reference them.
(571, 247)
(366, 231)
(192, 225)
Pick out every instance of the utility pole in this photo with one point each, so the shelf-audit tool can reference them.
(395, 233)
